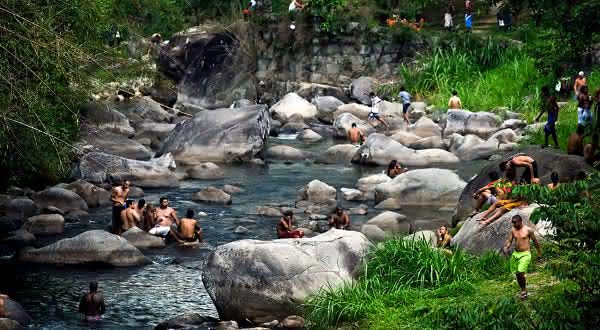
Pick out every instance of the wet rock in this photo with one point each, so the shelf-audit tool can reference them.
(268, 211)
(309, 135)
(77, 216)
(338, 154)
(482, 124)
(389, 204)
(292, 104)
(374, 233)
(93, 195)
(391, 222)
(52, 210)
(63, 199)
(9, 324)
(135, 192)
(212, 195)
(186, 320)
(19, 238)
(425, 127)
(14, 311)
(206, 171)
(142, 240)
(351, 194)
(20, 208)
(424, 235)
(380, 150)
(99, 168)
(293, 322)
(227, 325)
(283, 152)
(241, 230)
(222, 136)
(46, 224)
(326, 106)
(343, 124)
(240, 290)
(417, 188)
(293, 128)
(362, 209)
(232, 190)
(361, 88)
(90, 247)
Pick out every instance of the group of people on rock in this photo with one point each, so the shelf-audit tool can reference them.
(286, 229)
(159, 221)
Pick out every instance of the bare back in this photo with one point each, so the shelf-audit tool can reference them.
(575, 145)
(187, 228)
(119, 195)
(92, 304)
(355, 135)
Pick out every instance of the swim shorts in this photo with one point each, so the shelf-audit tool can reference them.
(491, 200)
(374, 115)
(160, 231)
(584, 116)
(519, 262)
(405, 107)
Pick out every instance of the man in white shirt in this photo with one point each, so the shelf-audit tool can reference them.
(376, 103)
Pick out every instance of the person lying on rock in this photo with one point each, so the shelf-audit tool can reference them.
(443, 237)
(118, 196)
(189, 228)
(167, 222)
(554, 184)
(339, 219)
(355, 135)
(487, 195)
(575, 142)
(521, 257)
(395, 169)
(285, 227)
(530, 175)
(500, 208)
(92, 304)
(376, 103)
(132, 215)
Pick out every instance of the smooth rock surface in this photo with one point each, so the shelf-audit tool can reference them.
(292, 104)
(45, 224)
(142, 240)
(93, 195)
(212, 195)
(391, 222)
(206, 171)
(65, 200)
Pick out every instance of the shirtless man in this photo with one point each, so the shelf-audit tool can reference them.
(521, 257)
(132, 215)
(454, 103)
(530, 175)
(167, 221)
(584, 106)
(355, 135)
(118, 196)
(575, 142)
(339, 219)
(92, 304)
(285, 227)
(554, 184)
(580, 81)
(189, 229)
(590, 151)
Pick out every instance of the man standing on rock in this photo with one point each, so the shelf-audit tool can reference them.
(132, 215)
(189, 228)
(92, 304)
(521, 257)
(376, 103)
(285, 227)
(339, 219)
(167, 221)
(405, 97)
(355, 135)
(118, 197)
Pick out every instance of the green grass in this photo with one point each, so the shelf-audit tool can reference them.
(411, 286)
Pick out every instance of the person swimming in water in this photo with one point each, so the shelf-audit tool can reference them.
(92, 305)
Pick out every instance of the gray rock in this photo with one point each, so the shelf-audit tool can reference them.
(186, 320)
(351, 194)
(63, 199)
(245, 278)
(424, 235)
(317, 192)
(93, 195)
(232, 189)
(225, 135)
(338, 154)
(293, 322)
(283, 152)
(505, 136)
(343, 123)
(268, 211)
(212, 195)
(425, 127)
(389, 204)
(309, 135)
(362, 209)
(114, 144)
(20, 208)
(326, 106)
(142, 240)
(292, 104)
(361, 88)
(471, 147)
(358, 110)
(136, 192)
(432, 142)
(19, 238)
(9, 324)
(405, 138)
(46, 224)
(90, 247)
(104, 118)
(368, 184)
(144, 107)
(76, 216)
(206, 171)
(374, 233)
(153, 130)
(52, 210)
(241, 230)
(391, 222)
(514, 124)
(482, 124)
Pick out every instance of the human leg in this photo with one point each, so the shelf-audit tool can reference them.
(497, 215)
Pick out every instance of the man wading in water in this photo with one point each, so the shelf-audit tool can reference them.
(521, 257)
(118, 197)
(92, 304)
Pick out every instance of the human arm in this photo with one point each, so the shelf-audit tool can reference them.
(174, 216)
(540, 115)
(346, 221)
(508, 242)
(460, 106)
(332, 221)
(538, 247)
(114, 196)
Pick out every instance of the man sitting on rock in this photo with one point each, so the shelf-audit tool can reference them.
(132, 215)
(575, 142)
(590, 151)
(92, 304)
(285, 227)
(486, 195)
(167, 221)
(118, 197)
(339, 219)
(355, 135)
(521, 257)
(189, 229)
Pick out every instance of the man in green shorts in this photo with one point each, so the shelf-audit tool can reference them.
(521, 257)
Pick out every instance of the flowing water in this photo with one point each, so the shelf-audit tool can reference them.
(140, 297)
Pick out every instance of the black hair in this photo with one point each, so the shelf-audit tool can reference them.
(444, 226)
(338, 208)
(454, 92)
(129, 202)
(503, 166)
(371, 94)
(580, 129)
(517, 218)
(288, 213)
(391, 166)
(493, 175)
(141, 203)
(93, 286)
(545, 91)
(511, 174)
(353, 124)
(554, 177)
(402, 88)
(163, 198)
(189, 214)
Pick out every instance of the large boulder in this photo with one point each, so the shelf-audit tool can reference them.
(317, 192)
(18, 238)
(477, 238)
(93, 195)
(209, 65)
(145, 108)
(343, 123)
(99, 168)
(111, 143)
(361, 88)
(309, 135)
(432, 142)
(46, 224)
(374, 233)
(405, 138)
(548, 161)
(283, 152)
(90, 247)
(326, 106)
(14, 311)
(142, 240)
(338, 154)
(292, 104)
(430, 186)
(425, 127)
(102, 117)
(20, 208)
(391, 223)
(358, 110)
(482, 124)
(188, 321)
(64, 199)
(471, 147)
(224, 135)
(368, 184)
(212, 195)
(380, 150)
(151, 130)
(261, 281)
(206, 171)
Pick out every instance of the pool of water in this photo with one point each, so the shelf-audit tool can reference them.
(140, 297)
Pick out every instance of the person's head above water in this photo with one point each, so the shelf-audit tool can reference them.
(129, 202)
(554, 177)
(164, 202)
(580, 129)
(353, 125)
(189, 214)
(517, 221)
(93, 286)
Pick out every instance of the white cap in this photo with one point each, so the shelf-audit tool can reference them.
(581, 73)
